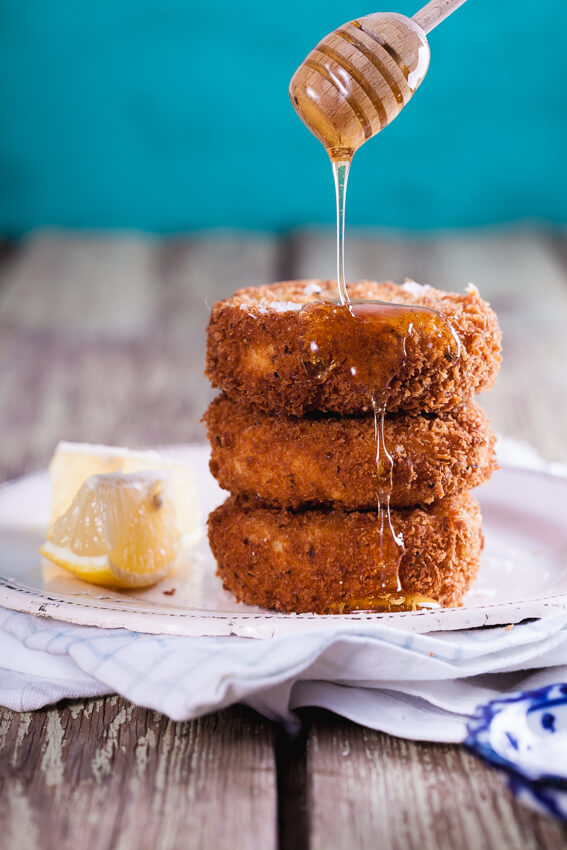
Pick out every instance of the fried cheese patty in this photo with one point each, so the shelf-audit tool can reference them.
(327, 561)
(254, 354)
(331, 461)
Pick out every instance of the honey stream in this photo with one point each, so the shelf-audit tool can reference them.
(367, 340)
(367, 343)
(341, 170)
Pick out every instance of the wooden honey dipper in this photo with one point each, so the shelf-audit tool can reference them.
(360, 77)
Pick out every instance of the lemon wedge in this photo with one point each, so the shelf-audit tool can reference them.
(120, 530)
(73, 463)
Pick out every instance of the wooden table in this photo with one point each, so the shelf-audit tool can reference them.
(101, 339)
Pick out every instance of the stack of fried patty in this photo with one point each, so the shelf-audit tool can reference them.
(299, 531)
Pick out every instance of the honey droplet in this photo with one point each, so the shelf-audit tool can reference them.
(368, 342)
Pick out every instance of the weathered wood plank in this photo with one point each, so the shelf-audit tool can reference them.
(80, 286)
(124, 287)
(103, 340)
(370, 790)
(131, 393)
(103, 774)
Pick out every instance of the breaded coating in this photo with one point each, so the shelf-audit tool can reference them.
(331, 461)
(328, 561)
(253, 350)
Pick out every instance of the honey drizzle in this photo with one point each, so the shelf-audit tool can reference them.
(338, 338)
(389, 561)
(341, 170)
(335, 336)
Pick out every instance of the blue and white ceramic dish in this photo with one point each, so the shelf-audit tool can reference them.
(526, 737)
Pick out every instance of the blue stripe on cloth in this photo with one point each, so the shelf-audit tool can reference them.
(184, 677)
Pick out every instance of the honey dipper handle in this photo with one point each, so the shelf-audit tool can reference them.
(435, 12)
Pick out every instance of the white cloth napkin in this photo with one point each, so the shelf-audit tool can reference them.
(415, 686)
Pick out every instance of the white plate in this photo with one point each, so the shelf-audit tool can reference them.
(523, 572)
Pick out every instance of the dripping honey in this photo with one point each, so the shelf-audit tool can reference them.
(354, 83)
(367, 343)
(386, 603)
(351, 86)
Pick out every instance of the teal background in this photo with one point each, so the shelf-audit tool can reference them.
(167, 116)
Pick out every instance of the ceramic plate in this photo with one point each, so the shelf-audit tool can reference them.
(523, 572)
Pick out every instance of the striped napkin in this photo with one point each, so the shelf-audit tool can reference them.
(423, 687)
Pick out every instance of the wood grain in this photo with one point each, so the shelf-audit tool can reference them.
(102, 340)
(80, 286)
(434, 12)
(369, 790)
(102, 774)
(127, 287)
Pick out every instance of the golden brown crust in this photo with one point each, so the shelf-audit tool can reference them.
(316, 561)
(253, 351)
(331, 461)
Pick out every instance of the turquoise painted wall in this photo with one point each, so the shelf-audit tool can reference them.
(168, 115)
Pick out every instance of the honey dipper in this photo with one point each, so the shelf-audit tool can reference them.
(360, 76)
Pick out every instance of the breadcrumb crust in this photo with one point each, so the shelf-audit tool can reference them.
(253, 350)
(331, 461)
(317, 560)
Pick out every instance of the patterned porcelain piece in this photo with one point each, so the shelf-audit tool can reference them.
(526, 737)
